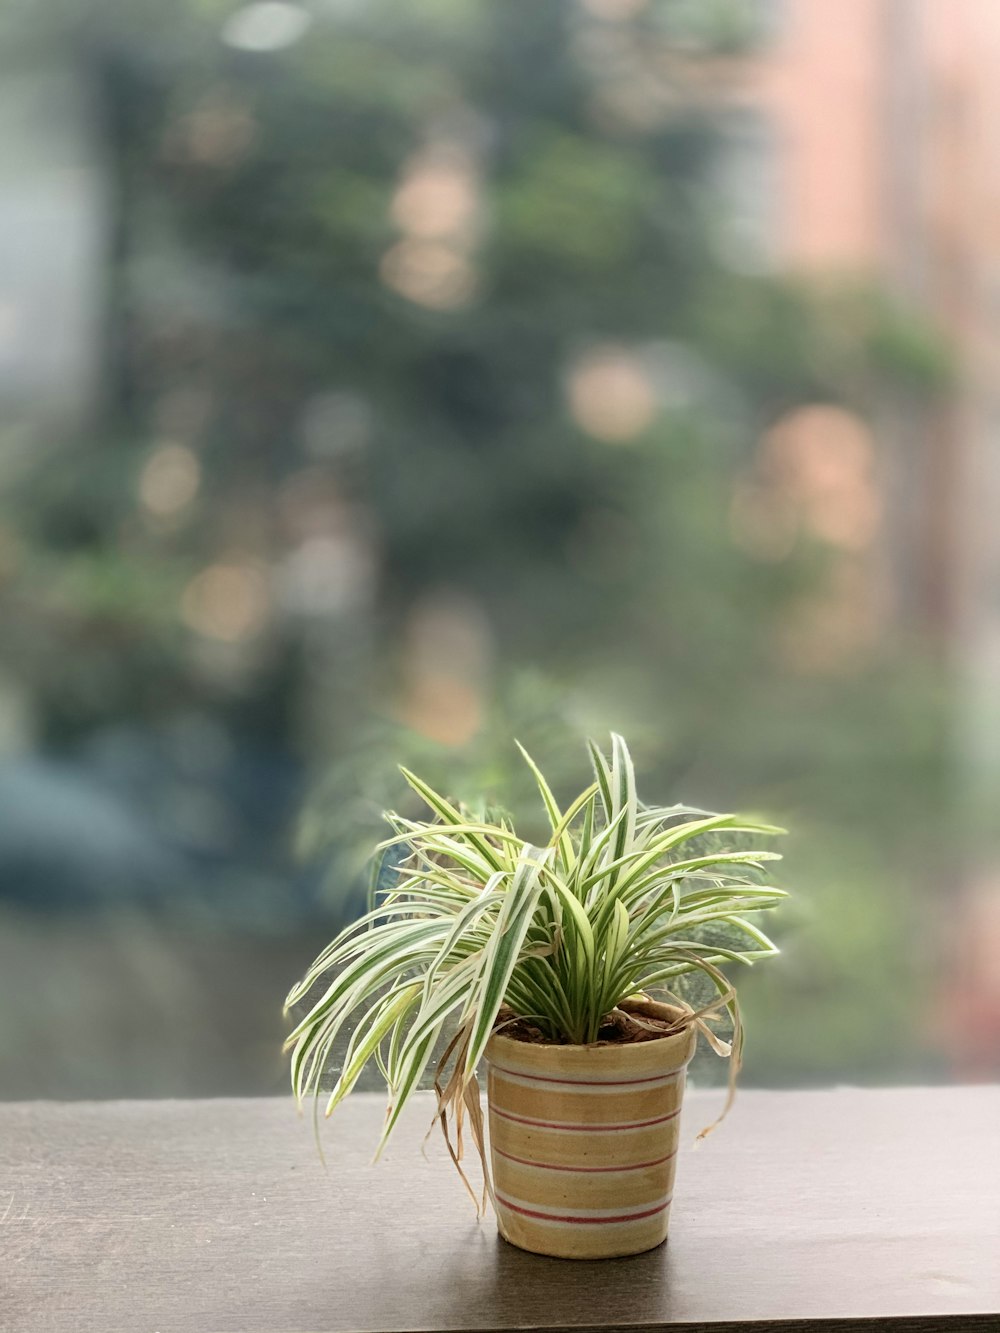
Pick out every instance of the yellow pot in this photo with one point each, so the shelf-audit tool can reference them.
(583, 1142)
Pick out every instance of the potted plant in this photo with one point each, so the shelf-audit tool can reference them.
(555, 965)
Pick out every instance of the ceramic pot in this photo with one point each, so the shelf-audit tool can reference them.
(583, 1142)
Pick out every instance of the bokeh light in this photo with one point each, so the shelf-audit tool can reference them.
(438, 198)
(269, 25)
(614, 10)
(229, 601)
(821, 458)
(169, 480)
(429, 274)
(447, 665)
(610, 394)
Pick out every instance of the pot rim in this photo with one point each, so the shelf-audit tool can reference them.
(669, 1010)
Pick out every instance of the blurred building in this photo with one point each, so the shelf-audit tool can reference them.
(876, 123)
(856, 153)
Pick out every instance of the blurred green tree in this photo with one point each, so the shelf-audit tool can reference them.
(427, 357)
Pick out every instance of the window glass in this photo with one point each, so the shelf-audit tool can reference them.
(382, 381)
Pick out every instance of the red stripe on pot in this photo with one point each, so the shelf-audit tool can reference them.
(553, 1166)
(583, 1129)
(586, 1221)
(665, 1079)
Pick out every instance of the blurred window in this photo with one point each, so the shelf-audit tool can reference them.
(381, 380)
(747, 179)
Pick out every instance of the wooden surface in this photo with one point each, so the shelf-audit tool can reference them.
(808, 1210)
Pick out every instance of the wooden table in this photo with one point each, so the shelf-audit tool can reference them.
(841, 1210)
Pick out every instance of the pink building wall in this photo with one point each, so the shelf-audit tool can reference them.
(820, 82)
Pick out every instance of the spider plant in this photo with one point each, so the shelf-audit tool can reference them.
(482, 926)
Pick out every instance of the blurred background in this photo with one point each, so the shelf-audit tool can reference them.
(383, 379)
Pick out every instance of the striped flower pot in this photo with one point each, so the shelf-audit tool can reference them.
(583, 1142)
